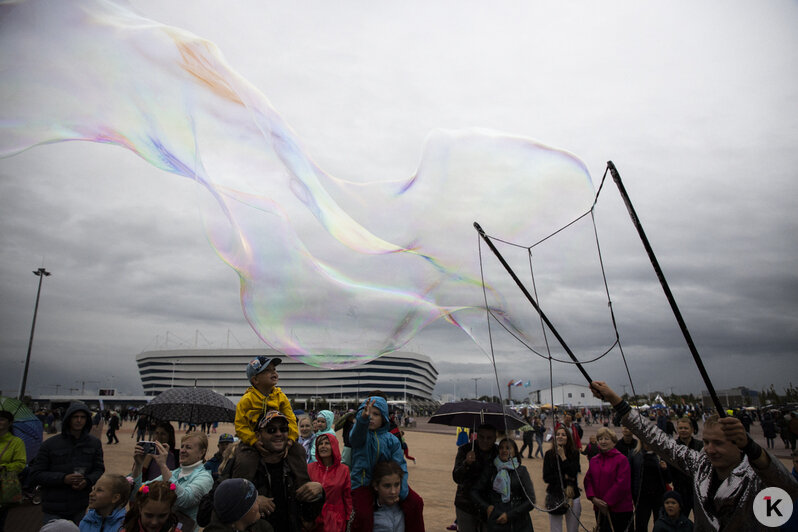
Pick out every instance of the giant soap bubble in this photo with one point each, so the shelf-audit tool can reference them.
(333, 273)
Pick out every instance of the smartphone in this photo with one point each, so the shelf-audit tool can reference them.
(149, 447)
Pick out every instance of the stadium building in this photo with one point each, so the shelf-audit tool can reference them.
(404, 377)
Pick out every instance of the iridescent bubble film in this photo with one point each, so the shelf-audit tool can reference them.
(332, 273)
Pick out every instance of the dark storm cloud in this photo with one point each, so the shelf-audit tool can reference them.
(702, 128)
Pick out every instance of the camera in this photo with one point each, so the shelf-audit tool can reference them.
(149, 447)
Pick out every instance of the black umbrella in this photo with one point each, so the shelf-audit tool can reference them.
(191, 405)
(475, 413)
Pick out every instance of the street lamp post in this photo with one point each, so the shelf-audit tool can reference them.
(41, 273)
(475, 379)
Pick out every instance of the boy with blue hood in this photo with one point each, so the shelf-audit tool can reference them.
(371, 443)
(67, 467)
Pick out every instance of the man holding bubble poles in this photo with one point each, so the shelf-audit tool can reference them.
(726, 476)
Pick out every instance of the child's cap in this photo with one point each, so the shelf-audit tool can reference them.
(233, 499)
(260, 363)
(226, 438)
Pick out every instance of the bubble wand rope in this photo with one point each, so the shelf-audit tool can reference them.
(532, 301)
(661, 276)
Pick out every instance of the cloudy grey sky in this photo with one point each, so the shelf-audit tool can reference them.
(696, 105)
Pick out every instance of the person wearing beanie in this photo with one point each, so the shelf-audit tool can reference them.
(235, 504)
(60, 525)
(671, 516)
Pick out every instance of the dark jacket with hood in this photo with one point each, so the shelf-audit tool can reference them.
(58, 457)
(666, 524)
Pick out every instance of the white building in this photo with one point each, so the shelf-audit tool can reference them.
(569, 395)
(402, 376)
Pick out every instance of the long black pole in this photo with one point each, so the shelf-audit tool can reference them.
(532, 301)
(668, 294)
(40, 273)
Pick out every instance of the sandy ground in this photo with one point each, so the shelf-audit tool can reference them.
(430, 476)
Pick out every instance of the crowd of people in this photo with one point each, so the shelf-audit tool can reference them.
(656, 472)
(276, 473)
(283, 472)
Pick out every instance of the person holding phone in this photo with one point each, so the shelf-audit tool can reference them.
(192, 481)
(163, 432)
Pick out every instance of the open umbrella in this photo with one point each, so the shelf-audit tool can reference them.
(474, 413)
(191, 405)
(26, 427)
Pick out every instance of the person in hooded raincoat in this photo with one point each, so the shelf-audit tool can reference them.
(328, 418)
(371, 443)
(67, 466)
(328, 471)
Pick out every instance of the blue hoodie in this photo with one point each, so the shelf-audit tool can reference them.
(372, 446)
(94, 522)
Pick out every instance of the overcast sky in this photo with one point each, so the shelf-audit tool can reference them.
(695, 104)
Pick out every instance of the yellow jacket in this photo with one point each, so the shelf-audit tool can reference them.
(14, 458)
(253, 404)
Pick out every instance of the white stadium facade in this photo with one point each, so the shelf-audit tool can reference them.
(406, 378)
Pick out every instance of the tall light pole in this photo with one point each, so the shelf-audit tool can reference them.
(41, 273)
(475, 379)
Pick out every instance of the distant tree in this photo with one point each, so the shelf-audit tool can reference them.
(771, 395)
(488, 399)
(791, 394)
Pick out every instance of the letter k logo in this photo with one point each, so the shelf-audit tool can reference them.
(772, 506)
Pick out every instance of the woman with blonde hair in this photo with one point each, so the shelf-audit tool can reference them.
(608, 484)
(192, 481)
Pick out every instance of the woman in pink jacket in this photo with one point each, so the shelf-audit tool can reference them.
(334, 477)
(608, 484)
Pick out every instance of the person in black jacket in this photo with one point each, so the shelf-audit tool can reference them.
(505, 493)
(67, 466)
(528, 438)
(650, 480)
(113, 425)
(561, 470)
(468, 465)
(682, 483)
(287, 498)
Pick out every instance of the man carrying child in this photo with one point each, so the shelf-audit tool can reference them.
(264, 395)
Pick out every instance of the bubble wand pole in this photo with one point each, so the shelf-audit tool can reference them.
(661, 276)
(532, 301)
